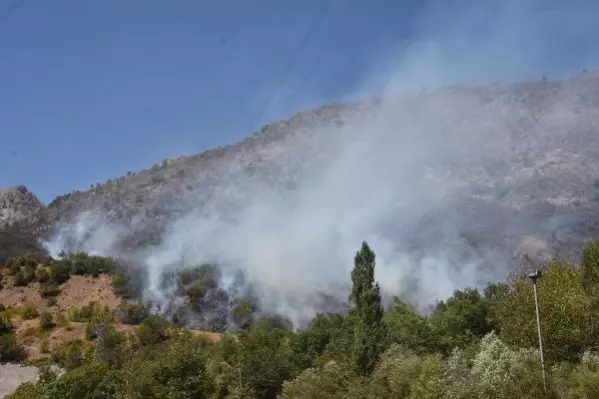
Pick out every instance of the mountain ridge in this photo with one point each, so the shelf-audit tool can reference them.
(528, 148)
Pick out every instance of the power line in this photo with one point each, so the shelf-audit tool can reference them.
(291, 62)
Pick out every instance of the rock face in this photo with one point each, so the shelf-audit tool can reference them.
(514, 160)
(19, 206)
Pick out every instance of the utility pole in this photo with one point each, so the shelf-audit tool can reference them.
(535, 276)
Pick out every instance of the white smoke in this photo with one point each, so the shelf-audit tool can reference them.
(379, 177)
(89, 232)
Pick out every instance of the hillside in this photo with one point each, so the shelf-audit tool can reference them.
(521, 146)
(468, 176)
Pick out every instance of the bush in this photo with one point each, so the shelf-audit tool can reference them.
(119, 285)
(152, 330)
(10, 351)
(44, 346)
(28, 274)
(51, 301)
(132, 313)
(14, 269)
(27, 390)
(18, 279)
(60, 270)
(42, 276)
(49, 289)
(91, 312)
(46, 321)
(69, 355)
(5, 325)
(28, 311)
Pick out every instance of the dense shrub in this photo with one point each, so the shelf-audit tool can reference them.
(46, 320)
(92, 312)
(42, 275)
(49, 289)
(131, 313)
(70, 355)
(119, 285)
(18, 279)
(60, 271)
(28, 274)
(28, 311)
(6, 326)
(10, 351)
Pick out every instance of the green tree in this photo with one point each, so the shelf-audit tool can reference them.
(369, 334)
(567, 321)
(408, 328)
(329, 382)
(173, 369)
(460, 320)
(265, 358)
(403, 374)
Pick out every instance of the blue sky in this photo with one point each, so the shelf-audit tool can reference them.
(92, 89)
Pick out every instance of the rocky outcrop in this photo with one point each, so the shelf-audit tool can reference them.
(19, 206)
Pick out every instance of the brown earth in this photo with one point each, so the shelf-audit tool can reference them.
(76, 292)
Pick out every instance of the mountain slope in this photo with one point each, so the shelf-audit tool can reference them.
(468, 176)
(517, 145)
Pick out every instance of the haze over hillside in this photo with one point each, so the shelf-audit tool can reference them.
(445, 185)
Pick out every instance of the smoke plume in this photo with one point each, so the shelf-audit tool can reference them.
(393, 174)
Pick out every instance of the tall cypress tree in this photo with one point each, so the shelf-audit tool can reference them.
(369, 333)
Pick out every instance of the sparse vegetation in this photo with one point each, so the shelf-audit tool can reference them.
(28, 311)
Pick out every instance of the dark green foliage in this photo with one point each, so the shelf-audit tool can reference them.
(367, 353)
(28, 274)
(60, 271)
(369, 330)
(42, 275)
(308, 345)
(92, 312)
(18, 279)
(460, 319)
(153, 330)
(46, 320)
(27, 390)
(14, 269)
(10, 351)
(265, 359)
(84, 264)
(243, 312)
(174, 369)
(408, 328)
(6, 326)
(132, 313)
(70, 355)
(49, 289)
(91, 381)
(119, 285)
(29, 311)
